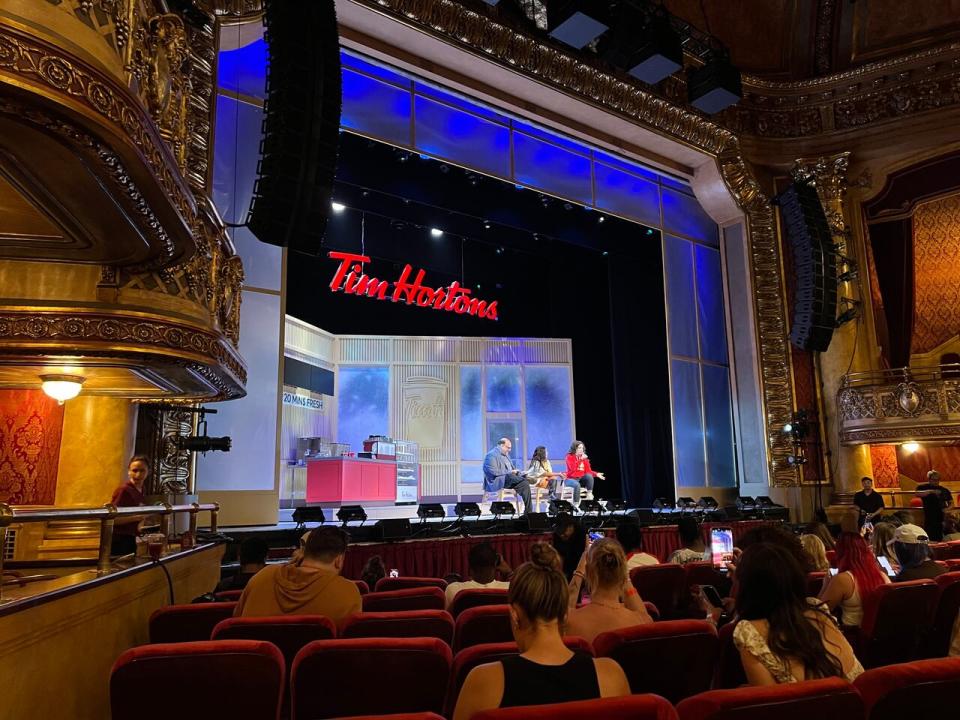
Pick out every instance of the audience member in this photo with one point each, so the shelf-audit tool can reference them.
(823, 532)
(545, 671)
(951, 529)
(253, 559)
(604, 567)
(869, 502)
(483, 564)
(910, 545)
(936, 499)
(782, 636)
(373, 571)
(882, 535)
(901, 517)
(694, 549)
(130, 494)
(778, 535)
(569, 540)
(858, 576)
(813, 546)
(311, 587)
(630, 539)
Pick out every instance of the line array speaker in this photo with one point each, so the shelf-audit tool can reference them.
(815, 267)
(301, 124)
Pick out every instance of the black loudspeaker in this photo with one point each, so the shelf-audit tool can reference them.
(301, 124)
(537, 522)
(815, 267)
(394, 529)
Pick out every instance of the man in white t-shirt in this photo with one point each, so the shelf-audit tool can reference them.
(484, 564)
(628, 535)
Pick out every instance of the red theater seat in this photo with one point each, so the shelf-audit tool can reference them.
(485, 624)
(362, 586)
(704, 573)
(953, 565)
(339, 678)
(815, 583)
(947, 606)
(423, 598)
(467, 659)
(940, 551)
(895, 618)
(832, 558)
(184, 623)
(675, 659)
(729, 672)
(630, 707)
(288, 632)
(228, 595)
(400, 716)
(385, 584)
(198, 681)
(827, 699)
(466, 599)
(405, 623)
(921, 689)
(663, 585)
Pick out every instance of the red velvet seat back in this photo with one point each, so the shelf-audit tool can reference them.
(662, 585)
(485, 624)
(362, 586)
(468, 658)
(288, 632)
(630, 707)
(339, 678)
(675, 659)
(940, 551)
(385, 584)
(815, 583)
(895, 618)
(947, 606)
(953, 548)
(228, 595)
(185, 623)
(403, 623)
(827, 699)
(920, 689)
(466, 599)
(729, 671)
(832, 558)
(397, 716)
(422, 598)
(953, 565)
(198, 681)
(704, 573)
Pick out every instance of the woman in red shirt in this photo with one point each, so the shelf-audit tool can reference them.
(130, 494)
(578, 468)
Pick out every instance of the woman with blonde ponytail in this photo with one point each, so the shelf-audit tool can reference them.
(545, 671)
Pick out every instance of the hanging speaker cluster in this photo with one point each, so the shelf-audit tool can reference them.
(815, 267)
(301, 123)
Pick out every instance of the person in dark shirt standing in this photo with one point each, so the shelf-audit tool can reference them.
(935, 500)
(869, 502)
(130, 494)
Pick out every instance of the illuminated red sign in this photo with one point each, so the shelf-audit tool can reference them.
(351, 280)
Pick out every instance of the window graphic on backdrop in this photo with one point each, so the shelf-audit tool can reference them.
(425, 410)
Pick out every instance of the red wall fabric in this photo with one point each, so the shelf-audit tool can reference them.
(30, 429)
(945, 459)
(886, 472)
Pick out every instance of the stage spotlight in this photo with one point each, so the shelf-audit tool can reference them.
(686, 502)
(466, 509)
(649, 49)
(707, 503)
(351, 513)
(662, 503)
(616, 505)
(591, 506)
(303, 515)
(796, 460)
(337, 207)
(574, 22)
(560, 506)
(502, 507)
(436, 232)
(715, 86)
(745, 502)
(765, 502)
(788, 428)
(394, 528)
(431, 510)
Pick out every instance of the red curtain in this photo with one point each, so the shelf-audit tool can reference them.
(892, 244)
(30, 427)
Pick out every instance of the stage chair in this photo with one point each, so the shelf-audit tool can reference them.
(362, 586)
(729, 672)
(288, 632)
(228, 595)
(184, 623)
(920, 689)
(198, 681)
(539, 499)
(501, 495)
(660, 584)
(936, 644)
(486, 624)
(422, 598)
(387, 584)
(675, 659)
(895, 618)
(630, 707)
(829, 698)
(466, 599)
(369, 676)
(404, 623)
(468, 658)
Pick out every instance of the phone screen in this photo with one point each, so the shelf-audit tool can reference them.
(885, 564)
(394, 573)
(833, 571)
(721, 545)
(594, 536)
(711, 594)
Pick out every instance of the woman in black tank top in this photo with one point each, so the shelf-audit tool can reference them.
(545, 670)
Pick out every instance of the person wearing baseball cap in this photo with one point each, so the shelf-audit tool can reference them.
(910, 545)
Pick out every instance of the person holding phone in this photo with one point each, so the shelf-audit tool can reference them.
(858, 575)
(578, 468)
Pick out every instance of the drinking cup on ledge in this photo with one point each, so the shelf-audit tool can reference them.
(155, 543)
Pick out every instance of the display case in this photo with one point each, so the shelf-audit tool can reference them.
(408, 472)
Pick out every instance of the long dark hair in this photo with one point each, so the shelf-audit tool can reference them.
(773, 588)
(539, 454)
(573, 447)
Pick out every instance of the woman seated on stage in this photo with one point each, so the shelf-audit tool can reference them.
(541, 474)
(545, 671)
(578, 468)
(604, 567)
(783, 636)
(858, 576)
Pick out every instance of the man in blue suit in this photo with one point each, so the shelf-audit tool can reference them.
(499, 472)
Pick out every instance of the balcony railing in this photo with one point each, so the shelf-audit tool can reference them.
(895, 406)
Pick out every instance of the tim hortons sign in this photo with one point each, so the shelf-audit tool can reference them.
(351, 280)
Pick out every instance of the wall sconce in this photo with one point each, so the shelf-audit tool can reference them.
(910, 447)
(62, 387)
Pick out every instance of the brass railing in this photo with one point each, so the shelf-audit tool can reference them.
(107, 516)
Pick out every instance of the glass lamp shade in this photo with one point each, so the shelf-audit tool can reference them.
(62, 387)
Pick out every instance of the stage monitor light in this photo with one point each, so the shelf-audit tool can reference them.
(591, 506)
(308, 513)
(574, 22)
(765, 502)
(431, 510)
(351, 513)
(536, 522)
(466, 509)
(686, 502)
(502, 507)
(715, 86)
(616, 505)
(662, 503)
(560, 506)
(708, 503)
(394, 528)
(745, 501)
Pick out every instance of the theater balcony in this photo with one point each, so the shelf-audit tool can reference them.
(114, 265)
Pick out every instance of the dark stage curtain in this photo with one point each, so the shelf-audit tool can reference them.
(638, 332)
(892, 244)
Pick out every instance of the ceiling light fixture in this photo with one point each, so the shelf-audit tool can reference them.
(910, 447)
(62, 387)
(436, 232)
(338, 207)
